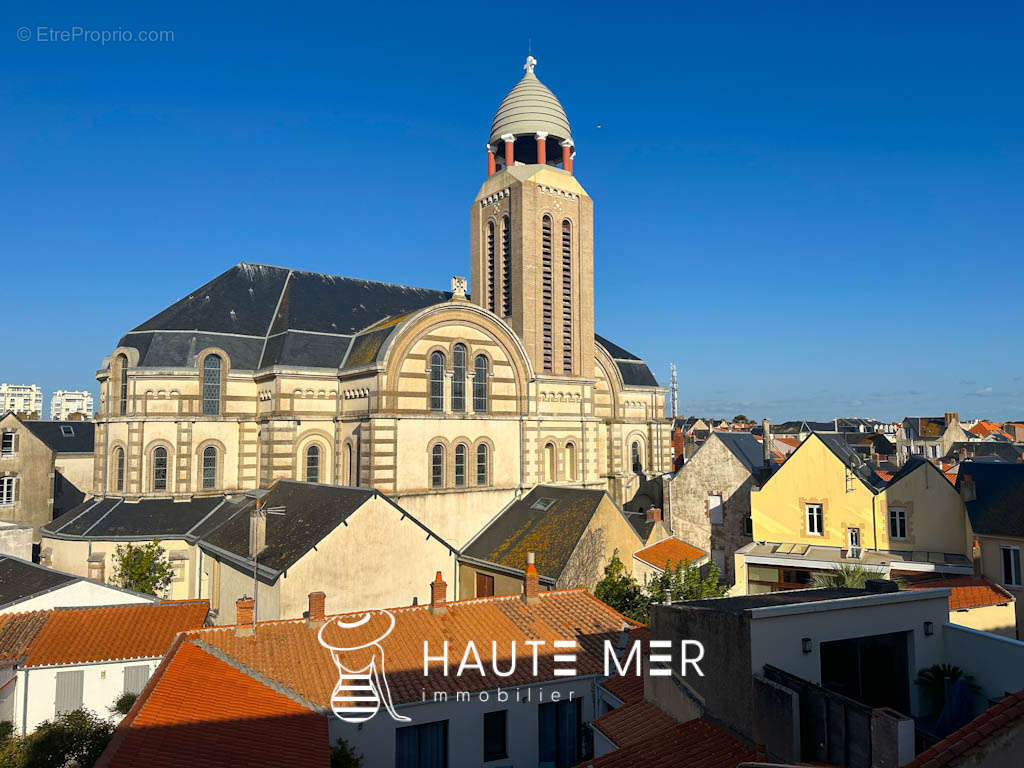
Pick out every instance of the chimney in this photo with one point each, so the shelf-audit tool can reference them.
(243, 616)
(766, 443)
(257, 530)
(653, 514)
(531, 586)
(438, 595)
(315, 614)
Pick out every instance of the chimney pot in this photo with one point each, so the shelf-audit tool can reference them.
(654, 513)
(244, 616)
(531, 584)
(438, 595)
(316, 612)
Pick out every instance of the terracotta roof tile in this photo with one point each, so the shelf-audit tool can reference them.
(1007, 714)
(966, 591)
(693, 744)
(17, 631)
(670, 550)
(78, 635)
(289, 652)
(230, 719)
(628, 689)
(632, 723)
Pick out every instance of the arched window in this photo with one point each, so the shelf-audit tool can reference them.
(638, 465)
(313, 464)
(460, 465)
(346, 467)
(481, 464)
(209, 467)
(480, 370)
(437, 381)
(119, 469)
(566, 297)
(122, 372)
(211, 385)
(437, 466)
(506, 267)
(549, 463)
(490, 267)
(159, 468)
(570, 461)
(459, 378)
(546, 283)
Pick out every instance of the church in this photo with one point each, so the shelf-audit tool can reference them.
(453, 403)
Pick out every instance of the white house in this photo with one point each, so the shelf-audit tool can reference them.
(57, 661)
(27, 586)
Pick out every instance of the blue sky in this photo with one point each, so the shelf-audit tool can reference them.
(813, 209)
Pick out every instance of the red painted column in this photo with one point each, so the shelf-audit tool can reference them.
(567, 156)
(490, 160)
(510, 141)
(542, 152)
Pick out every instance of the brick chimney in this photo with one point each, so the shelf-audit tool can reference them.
(438, 595)
(531, 584)
(967, 490)
(653, 514)
(244, 616)
(315, 613)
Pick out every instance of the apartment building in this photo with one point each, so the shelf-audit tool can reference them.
(26, 399)
(64, 403)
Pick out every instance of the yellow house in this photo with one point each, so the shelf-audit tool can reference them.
(825, 506)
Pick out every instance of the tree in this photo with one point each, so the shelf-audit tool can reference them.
(123, 704)
(74, 739)
(680, 582)
(685, 582)
(936, 680)
(740, 419)
(342, 756)
(621, 591)
(845, 575)
(142, 568)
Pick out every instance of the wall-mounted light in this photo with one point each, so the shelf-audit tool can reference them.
(806, 644)
(929, 628)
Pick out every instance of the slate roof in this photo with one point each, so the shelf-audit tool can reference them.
(745, 447)
(289, 654)
(52, 434)
(310, 513)
(21, 579)
(913, 463)
(113, 519)
(998, 509)
(220, 524)
(973, 744)
(853, 461)
(1010, 452)
(264, 316)
(551, 534)
(634, 371)
(112, 632)
(232, 719)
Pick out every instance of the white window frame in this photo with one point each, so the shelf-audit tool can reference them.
(897, 515)
(818, 517)
(7, 444)
(1014, 580)
(8, 489)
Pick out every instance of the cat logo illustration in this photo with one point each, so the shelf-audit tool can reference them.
(357, 653)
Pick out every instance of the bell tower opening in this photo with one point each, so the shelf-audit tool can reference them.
(532, 233)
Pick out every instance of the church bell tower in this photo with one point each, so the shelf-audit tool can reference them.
(532, 238)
